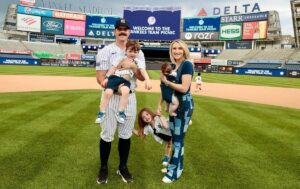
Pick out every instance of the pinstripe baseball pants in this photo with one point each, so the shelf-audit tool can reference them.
(110, 124)
(179, 126)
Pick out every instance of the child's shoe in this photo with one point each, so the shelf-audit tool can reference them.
(165, 161)
(121, 117)
(100, 117)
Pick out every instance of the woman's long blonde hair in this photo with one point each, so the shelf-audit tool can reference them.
(186, 52)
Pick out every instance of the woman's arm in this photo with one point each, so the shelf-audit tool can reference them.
(164, 122)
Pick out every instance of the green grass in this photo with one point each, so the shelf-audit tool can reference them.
(154, 74)
(48, 70)
(49, 140)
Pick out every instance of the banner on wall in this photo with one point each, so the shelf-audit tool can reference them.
(293, 73)
(153, 23)
(28, 23)
(15, 51)
(41, 37)
(19, 61)
(202, 36)
(76, 28)
(201, 24)
(255, 30)
(238, 44)
(28, 2)
(34, 11)
(69, 15)
(231, 31)
(245, 17)
(88, 57)
(258, 71)
(73, 56)
(52, 26)
(100, 26)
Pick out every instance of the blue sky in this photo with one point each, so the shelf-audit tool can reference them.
(188, 7)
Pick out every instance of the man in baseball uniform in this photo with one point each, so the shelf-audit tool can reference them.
(105, 58)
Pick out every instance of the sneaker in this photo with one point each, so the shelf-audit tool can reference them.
(164, 170)
(165, 161)
(102, 176)
(100, 117)
(121, 117)
(126, 176)
(167, 180)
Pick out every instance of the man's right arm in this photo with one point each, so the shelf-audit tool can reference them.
(102, 65)
(100, 75)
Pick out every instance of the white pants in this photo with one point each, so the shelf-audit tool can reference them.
(110, 124)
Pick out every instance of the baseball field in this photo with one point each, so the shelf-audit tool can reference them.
(49, 139)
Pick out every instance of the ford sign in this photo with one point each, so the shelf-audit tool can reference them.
(52, 25)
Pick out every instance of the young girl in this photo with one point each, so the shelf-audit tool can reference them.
(157, 126)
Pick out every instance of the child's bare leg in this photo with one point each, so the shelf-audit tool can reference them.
(173, 106)
(124, 98)
(105, 99)
(167, 107)
(168, 148)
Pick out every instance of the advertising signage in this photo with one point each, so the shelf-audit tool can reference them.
(258, 71)
(201, 24)
(69, 15)
(19, 61)
(245, 17)
(41, 37)
(34, 11)
(153, 23)
(238, 44)
(52, 26)
(28, 23)
(231, 31)
(255, 30)
(100, 26)
(202, 36)
(27, 2)
(76, 28)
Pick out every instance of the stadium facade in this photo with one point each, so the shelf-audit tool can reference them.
(240, 44)
(295, 7)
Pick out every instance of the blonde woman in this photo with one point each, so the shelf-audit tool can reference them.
(179, 54)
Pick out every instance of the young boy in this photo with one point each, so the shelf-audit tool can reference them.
(119, 81)
(198, 80)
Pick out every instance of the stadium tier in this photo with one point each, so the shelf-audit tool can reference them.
(46, 47)
(19, 56)
(233, 54)
(12, 45)
(69, 48)
(292, 66)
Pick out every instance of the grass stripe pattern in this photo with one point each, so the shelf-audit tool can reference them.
(49, 140)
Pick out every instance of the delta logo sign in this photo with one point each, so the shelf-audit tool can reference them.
(235, 9)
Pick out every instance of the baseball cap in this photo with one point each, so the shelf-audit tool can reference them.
(122, 22)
